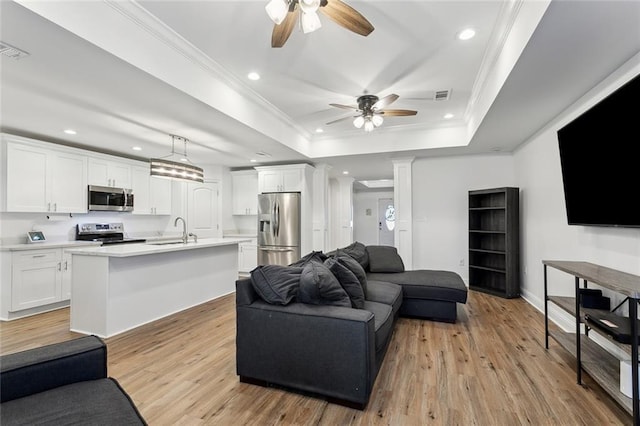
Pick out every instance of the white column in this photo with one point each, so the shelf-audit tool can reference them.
(320, 207)
(402, 195)
(344, 206)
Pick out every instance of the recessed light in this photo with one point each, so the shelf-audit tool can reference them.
(136, 148)
(319, 130)
(466, 34)
(253, 76)
(253, 160)
(346, 172)
(448, 116)
(70, 132)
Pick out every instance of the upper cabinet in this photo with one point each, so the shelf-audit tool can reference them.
(288, 178)
(105, 172)
(45, 180)
(245, 192)
(151, 196)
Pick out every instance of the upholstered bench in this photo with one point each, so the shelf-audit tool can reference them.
(427, 294)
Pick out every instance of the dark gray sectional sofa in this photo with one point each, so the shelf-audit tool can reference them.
(63, 384)
(296, 330)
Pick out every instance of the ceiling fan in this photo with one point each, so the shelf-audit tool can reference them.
(371, 110)
(285, 14)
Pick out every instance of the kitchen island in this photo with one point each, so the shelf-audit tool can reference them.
(119, 287)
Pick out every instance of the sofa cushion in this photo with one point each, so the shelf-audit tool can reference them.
(384, 259)
(385, 292)
(318, 286)
(348, 281)
(276, 284)
(383, 320)
(358, 251)
(314, 256)
(426, 284)
(354, 267)
(98, 402)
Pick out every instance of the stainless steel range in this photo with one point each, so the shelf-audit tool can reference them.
(107, 233)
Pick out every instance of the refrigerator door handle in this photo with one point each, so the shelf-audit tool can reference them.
(276, 219)
(275, 249)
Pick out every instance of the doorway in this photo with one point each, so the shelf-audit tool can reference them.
(386, 221)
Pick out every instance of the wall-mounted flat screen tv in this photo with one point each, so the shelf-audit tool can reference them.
(600, 161)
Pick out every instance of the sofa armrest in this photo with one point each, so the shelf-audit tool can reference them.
(47, 367)
(327, 350)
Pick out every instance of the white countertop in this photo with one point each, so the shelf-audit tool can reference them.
(48, 245)
(141, 249)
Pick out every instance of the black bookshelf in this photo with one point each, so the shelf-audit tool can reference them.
(494, 241)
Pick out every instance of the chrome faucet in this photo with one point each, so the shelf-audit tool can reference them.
(195, 237)
(185, 237)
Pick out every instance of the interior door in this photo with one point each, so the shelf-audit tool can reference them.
(202, 209)
(386, 221)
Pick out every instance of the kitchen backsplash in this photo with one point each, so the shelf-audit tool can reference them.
(14, 226)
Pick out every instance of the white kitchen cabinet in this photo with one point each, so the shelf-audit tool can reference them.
(245, 192)
(151, 196)
(247, 256)
(45, 180)
(104, 172)
(66, 275)
(36, 278)
(285, 179)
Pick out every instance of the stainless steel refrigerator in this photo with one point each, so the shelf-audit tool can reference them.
(278, 228)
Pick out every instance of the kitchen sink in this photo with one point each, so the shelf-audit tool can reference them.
(164, 243)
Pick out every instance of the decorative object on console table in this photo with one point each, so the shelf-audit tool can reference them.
(494, 241)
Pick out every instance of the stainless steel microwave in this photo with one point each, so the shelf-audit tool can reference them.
(106, 198)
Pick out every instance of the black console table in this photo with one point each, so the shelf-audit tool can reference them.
(597, 362)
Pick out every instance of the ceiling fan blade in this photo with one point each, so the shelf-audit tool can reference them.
(353, 107)
(387, 100)
(340, 119)
(397, 112)
(347, 17)
(281, 32)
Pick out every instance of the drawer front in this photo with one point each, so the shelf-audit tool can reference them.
(36, 256)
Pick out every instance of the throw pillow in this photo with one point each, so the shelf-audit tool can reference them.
(318, 286)
(358, 251)
(314, 256)
(348, 281)
(354, 267)
(276, 284)
(384, 259)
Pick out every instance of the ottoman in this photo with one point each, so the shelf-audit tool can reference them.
(427, 294)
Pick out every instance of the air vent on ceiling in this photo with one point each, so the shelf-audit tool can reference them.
(12, 52)
(263, 154)
(442, 95)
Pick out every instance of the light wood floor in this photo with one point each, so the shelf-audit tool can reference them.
(490, 368)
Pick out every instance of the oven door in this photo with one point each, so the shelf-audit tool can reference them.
(104, 198)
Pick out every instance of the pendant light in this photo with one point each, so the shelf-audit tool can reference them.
(176, 166)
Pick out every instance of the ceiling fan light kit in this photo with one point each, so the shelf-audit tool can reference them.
(176, 166)
(277, 10)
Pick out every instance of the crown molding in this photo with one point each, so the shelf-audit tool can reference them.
(144, 19)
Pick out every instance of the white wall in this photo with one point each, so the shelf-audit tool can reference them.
(545, 232)
(365, 228)
(441, 188)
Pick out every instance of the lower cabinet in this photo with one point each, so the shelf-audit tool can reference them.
(36, 278)
(247, 256)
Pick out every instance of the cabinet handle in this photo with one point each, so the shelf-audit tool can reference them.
(38, 255)
(59, 266)
(66, 266)
(48, 207)
(55, 207)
